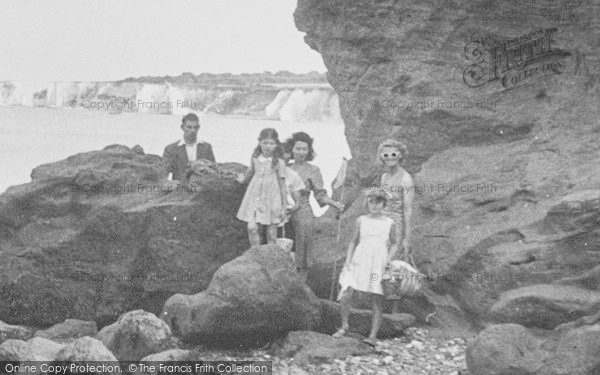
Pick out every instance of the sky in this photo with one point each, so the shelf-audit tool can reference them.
(102, 40)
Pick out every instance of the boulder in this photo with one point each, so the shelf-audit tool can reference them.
(35, 349)
(577, 352)
(392, 325)
(10, 331)
(68, 330)
(86, 349)
(313, 347)
(251, 299)
(102, 232)
(505, 349)
(513, 349)
(545, 306)
(135, 335)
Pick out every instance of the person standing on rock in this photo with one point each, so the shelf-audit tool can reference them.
(303, 219)
(179, 157)
(293, 187)
(399, 188)
(264, 201)
(368, 254)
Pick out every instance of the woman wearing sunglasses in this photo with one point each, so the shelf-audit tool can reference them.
(400, 189)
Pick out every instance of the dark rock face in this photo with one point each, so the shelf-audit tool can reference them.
(507, 181)
(101, 233)
(251, 299)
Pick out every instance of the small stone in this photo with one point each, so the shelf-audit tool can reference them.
(416, 344)
(389, 359)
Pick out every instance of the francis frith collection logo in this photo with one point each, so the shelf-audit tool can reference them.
(514, 62)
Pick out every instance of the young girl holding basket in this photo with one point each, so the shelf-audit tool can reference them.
(371, 248)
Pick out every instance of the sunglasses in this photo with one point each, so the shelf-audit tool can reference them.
(392, 155)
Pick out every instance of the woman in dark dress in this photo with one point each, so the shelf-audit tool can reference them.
(303, 218)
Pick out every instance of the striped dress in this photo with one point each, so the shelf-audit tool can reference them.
(303, 219)
(395, 189)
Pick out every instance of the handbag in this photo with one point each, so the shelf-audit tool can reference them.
(284, 243)
(400, 279)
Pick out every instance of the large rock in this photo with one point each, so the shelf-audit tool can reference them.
(504, 349)
(398, 70)
(545, 306)
(35, 349)
(10, 331)
(251, 299)
(137, 334)
(101, 233)
(313, 347)
(510, 349)
(68, 330)
(86, 349)
(507, 187)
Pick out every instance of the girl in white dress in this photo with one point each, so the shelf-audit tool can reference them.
(368, 254)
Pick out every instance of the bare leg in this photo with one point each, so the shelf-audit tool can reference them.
(271, 233)
(377, 315)
(253, 235)
(345, 307)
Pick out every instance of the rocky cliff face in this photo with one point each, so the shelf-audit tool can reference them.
(286, 102)
(498, 104)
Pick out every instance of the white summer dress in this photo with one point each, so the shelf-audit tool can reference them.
(370, 256)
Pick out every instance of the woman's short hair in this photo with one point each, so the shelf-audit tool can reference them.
(401, 147)
(302, 137)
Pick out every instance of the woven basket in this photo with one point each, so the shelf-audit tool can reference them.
(286, 244)
(400, 279)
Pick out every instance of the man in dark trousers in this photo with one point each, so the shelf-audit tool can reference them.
(180, 156)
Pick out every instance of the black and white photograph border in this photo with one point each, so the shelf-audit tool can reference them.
(300, 187)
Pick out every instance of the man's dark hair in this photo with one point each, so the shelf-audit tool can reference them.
(190, 117)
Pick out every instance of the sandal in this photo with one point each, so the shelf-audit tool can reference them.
(370, 342)
(340, 333)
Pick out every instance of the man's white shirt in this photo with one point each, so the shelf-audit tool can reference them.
(191, 150)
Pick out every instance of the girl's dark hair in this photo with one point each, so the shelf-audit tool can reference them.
(377, 200)
(271, 134)
(302, 137)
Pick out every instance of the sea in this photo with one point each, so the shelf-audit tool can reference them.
(31, 136)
